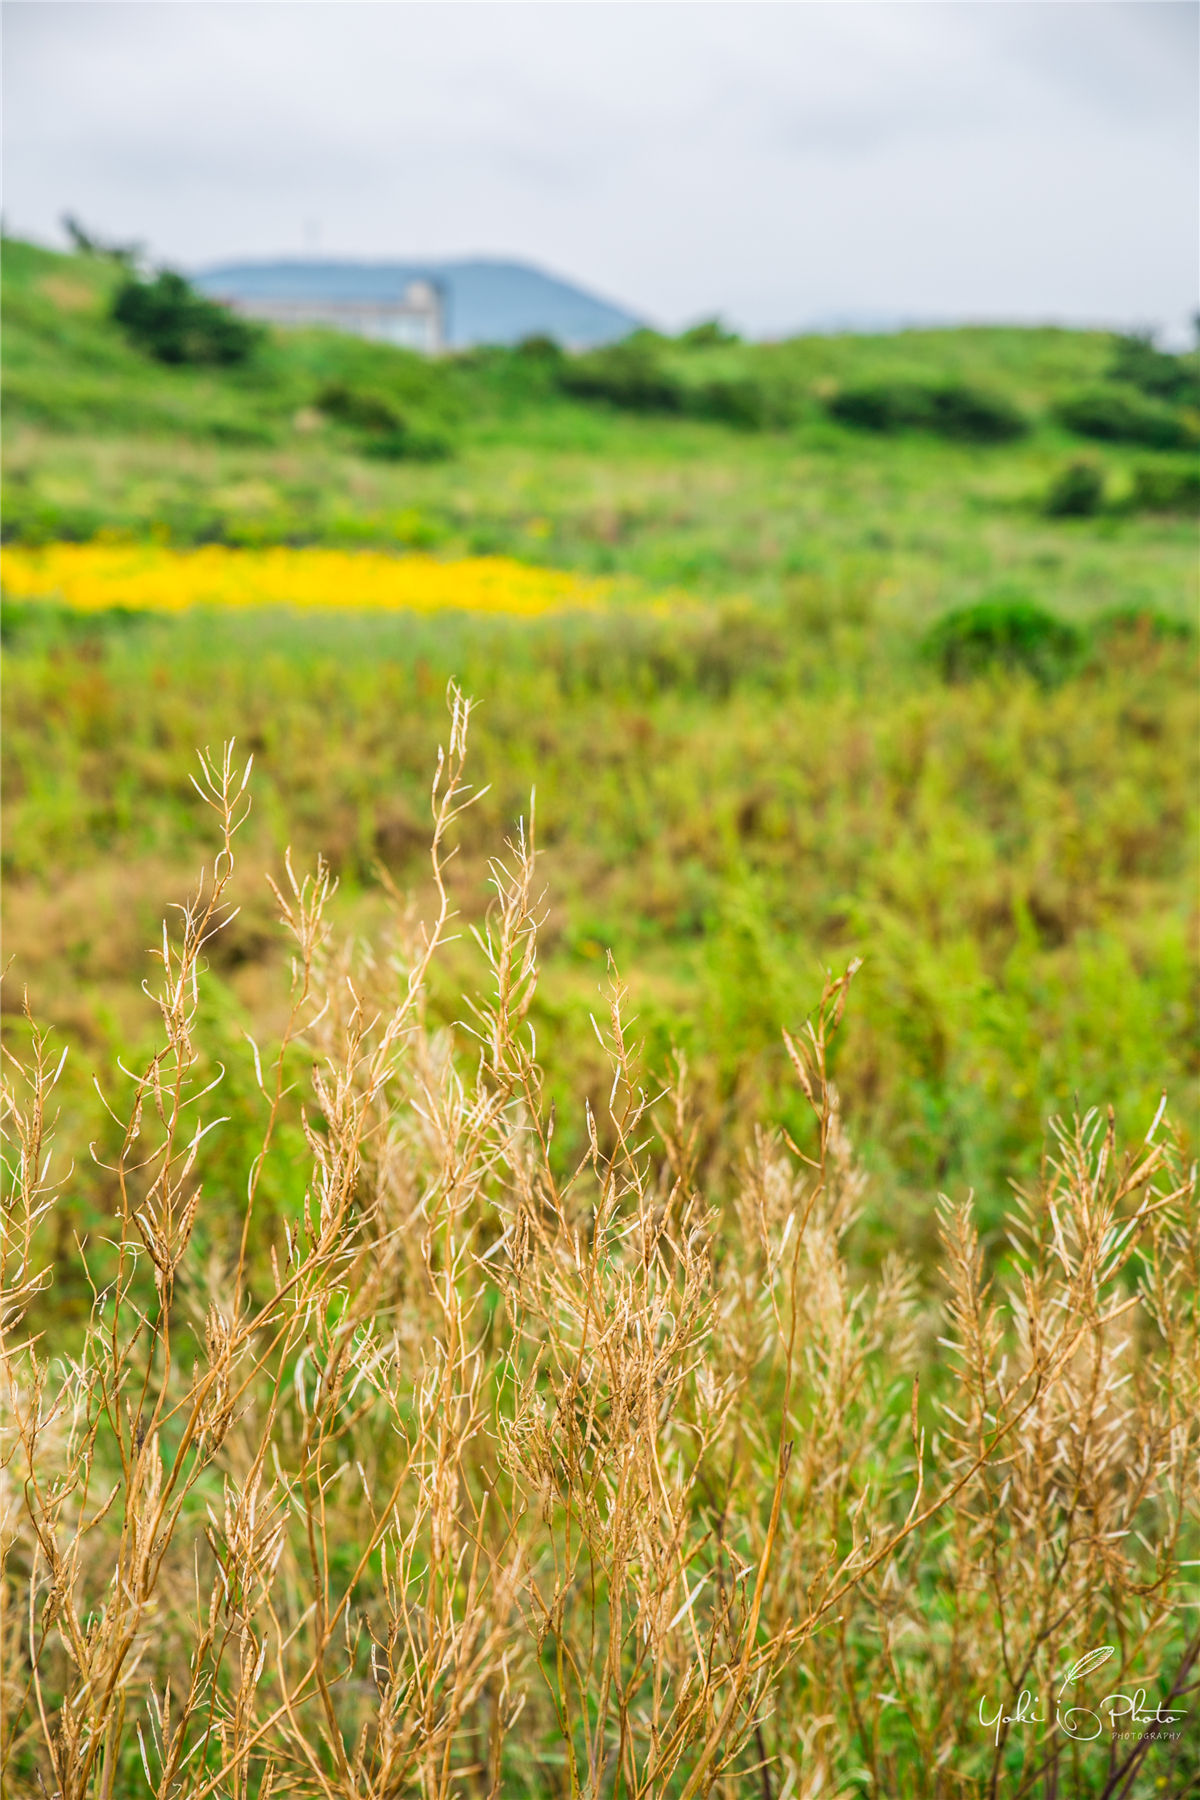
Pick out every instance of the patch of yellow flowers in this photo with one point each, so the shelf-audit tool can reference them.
(93, 577)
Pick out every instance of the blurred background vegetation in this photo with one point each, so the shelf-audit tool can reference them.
(905, 668)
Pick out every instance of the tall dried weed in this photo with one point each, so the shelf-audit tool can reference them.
(472, 1478)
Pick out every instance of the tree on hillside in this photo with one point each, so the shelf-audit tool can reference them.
(170, 320)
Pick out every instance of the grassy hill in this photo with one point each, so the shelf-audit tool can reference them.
(101, 436)
(763, 776)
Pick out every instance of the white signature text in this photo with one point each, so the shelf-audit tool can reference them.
(1081, 1722)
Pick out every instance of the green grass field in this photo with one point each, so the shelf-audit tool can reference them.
(764, 778)
(581, 1373)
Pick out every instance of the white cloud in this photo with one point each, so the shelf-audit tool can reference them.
(775, 162)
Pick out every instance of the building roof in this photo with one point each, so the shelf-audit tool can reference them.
(485, 302)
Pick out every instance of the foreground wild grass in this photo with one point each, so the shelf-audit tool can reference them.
(448, 1472)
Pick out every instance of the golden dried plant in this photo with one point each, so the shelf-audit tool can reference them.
(472, 1475)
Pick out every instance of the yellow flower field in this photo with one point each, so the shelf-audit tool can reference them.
(152, 577)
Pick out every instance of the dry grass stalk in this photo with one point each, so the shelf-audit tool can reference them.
(461, 1442)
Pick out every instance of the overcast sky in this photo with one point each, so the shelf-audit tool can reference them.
(781, 164)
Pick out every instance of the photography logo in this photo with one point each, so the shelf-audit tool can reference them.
(1114, 1717)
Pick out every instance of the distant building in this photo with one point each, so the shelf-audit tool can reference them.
(414, 320)
(426, 307)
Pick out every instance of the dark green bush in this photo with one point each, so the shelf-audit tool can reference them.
(409, 441)
(1014, 635)
(634, 376)
(1076, 492)
(882, 406)
(1138, 361)
(175, 324)
(388, 435)
(541, 348)
(950, 409)
(1124, 416)
(30, 518)
(743, 402)
(709, 334)
(363, 411)
(959, 411)
(629, 375)
(1166, 490)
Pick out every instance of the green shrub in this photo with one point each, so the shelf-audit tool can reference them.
(743, 402)
(541, 347)
(634, 376)
(709, 334)
(409, 441)
(1076, 493)
(881, 405)
(175, 324)
(362, 411)
(949, 409)
(1123, 416)
(389, 435)
(1166, 490)
(30, 518)
(628, 375)
(1014, 635)
(1138, 361)
(960, 411)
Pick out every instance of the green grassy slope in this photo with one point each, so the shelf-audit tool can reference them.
(101, 436)
(729, 795)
